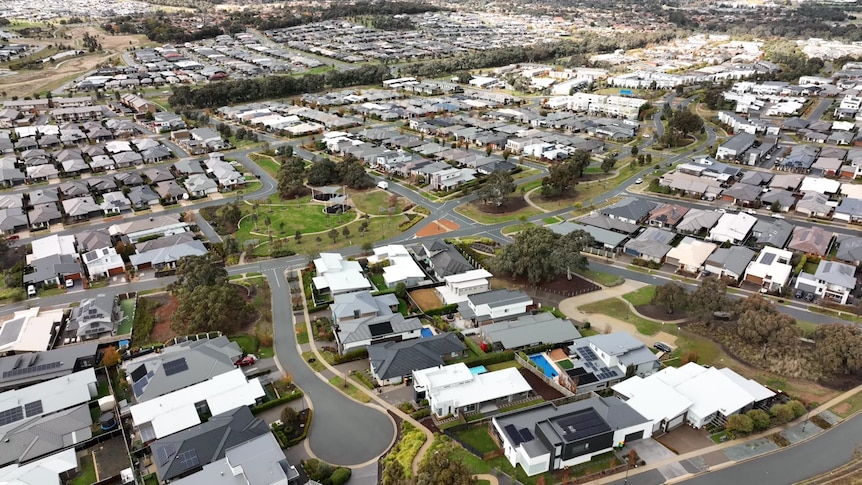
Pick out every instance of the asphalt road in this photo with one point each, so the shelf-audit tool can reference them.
(822, 105)
(343, 431)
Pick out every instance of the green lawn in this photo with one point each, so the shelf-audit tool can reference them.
(301, 333)
(565, 364)
(517, 228)
(378, 281)
(286, 219)
(614, 307)
(849, 406)
(247, 343)
(373, 200)
(350, 390)
(642, 296)
(88, 472)
(128, 308)
(267, 163)
(708, 352)
(470, 210)
(603, 279)
(478, 438)
(552, 220)
(316, 365)
(10, 294)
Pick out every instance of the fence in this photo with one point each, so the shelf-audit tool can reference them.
(566, 293)
(484, 456)
(541, 375)
(604, 253)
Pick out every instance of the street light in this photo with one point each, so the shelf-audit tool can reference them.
(806, 420)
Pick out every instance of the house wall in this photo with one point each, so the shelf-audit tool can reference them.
(501, 311)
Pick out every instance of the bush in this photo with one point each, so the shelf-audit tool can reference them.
(487, 359)
(421, 414)
(421, 210)
(412, 220)
(275, 402)
(782, 413)
(798, 408)
(340, 476)
(350, 356)
(739, 425)
(281, 253)
(406, 449)
(305, 430)
(443, 310)
(759, 419)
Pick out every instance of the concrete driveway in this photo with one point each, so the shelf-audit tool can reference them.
(651, 451)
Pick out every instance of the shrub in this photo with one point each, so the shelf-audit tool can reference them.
(289, 416)
(281, 253)
(421, 414)
(351, 355)
(782, 413)
(759, 418)
(443, 310)
(317, 470)
(739, 425)
(406, 449)
(305, 430)
(797, 407)
(276, 402)
(689, 357)
(340, 476)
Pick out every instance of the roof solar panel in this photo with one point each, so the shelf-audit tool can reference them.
(10, 330)
(138, 387)
(33, 408)
(11, 415)
(526, 435)
(188, 459)
(139, 372)
(378, 329)
(514, 435)
(28, 370)
(175, 366)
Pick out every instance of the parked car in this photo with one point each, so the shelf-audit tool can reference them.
(383, 185)
(246, 361)
(31, 291)
(639, 181)
(809, 297)
(799, 294)
(752, 212)
(663, 347)
(70, 283)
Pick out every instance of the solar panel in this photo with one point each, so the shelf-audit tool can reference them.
(188, 459)
(175, 366)
(33, 408)
(378, 329)
(11, 415)
(514, 435)
(28, 370)
(141, 371)
(138, 387)
(10, 330)
(526, 435)
(165, 453)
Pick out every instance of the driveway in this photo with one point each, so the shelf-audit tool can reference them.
(685, 439)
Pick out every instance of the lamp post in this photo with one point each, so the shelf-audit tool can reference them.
(628, 467)
(806, 420)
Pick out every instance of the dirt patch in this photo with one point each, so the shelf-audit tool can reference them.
(162, 331)
(658, 312)
(434, 228)
(109, 457)
(512, 204)
(558, 354)
(541, 388)
(561, 286)
(841, 409)
(426, 299)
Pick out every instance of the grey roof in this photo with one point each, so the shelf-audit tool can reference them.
(739, 142)
(169, 254)
(545, 420)
(698, 219)
(12, 218)
(733, 259)
(200, 183)
(756, 177)
(345, 304)
(499, 297)
(775, 233)
(188, 167)
(73, 188)
(446, 259)
(399, 359)
(39, 436)
(129, 178)
(64, 359)
(207, 441)
(358, 330)
(631, 208)
(850, 206)
(652, 242)
(835, 273)
(169, 189)
(164, 242)
(605, 222)
(89, 240)
(204, 359)
(850, 250)
(142, 195)
(601, 236)
(51, 267)
(784, 197)
(743, 191)
(80, 206)
(258, 461)
(94, 316)
(541, 328)
(43, 196)
(629, 350)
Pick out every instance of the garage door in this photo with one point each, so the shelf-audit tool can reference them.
(634, 436)
(675, 422)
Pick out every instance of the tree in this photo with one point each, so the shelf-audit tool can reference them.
(322, 172)
(775, 206)
(333, 234)
(839, 348)
(681, 124)
(564, 175)
(110, 356)
(228, 217)
(197, 271)
(634, 151)
(393, 473)
(297, 235)
(209, 308)
(671, 296)
(609, 162)
(709, 298)
(291, 178)
(541, 255)
(443, 469)
(759, 418)
(496, 188)
(739, 425)
(401, 290)
(797, 407)
(345, 232)
(782, 413)
(762, 325)
(289, 416)
(230, 245)
(353, 175)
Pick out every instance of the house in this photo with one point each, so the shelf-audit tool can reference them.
(604, 222)
(850, 250)
(690, 255)
(43, 215)
(630, 209)
(178, 410)
(335, 275)
(786, 181)
(182, 365)
(774, 233)
(51, 245)
(733, 148)
(81, 208)
(458, 286)
(22, 370)
(67, 190)
(52, 270)
(55, 469)
(392, 362)
(604, 358)
(31, 330)
(733, 228)
(550, 437)
(207, 442)
(742, 194)
(444, 259)
(115, 203)
(780, 199)
(826, 187)
(184, 168)
(529, 330)
(455, 390)
(12, 220)
(259, 460)
(698, 221)
(666, 216)
(651, 245)
(103, 262)
(849, 210)
(199, 185)
(94, 318)
(152, 226)
(832, 280)
(771, 269)
(713, 394)
(812, 240)
(401, 268)
(156, 175)
(142, 197)
(730, 262)
(209, 139)
(57, 416)
(603, 238)
(166, 257)
(360, 319)
(101, 185)
(495, 305)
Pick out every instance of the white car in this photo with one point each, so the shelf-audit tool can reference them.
(31, 291)
(752, 212)
(639, 181)
(383, 185)
(70, 283)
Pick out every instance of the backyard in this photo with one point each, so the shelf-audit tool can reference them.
(128, 308)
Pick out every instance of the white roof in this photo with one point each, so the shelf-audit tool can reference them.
(653, 399)
(735, 226)
(401, 264)
(472, 275)
(852, 191)
(713, 392)
(51, 245)
(29, 330)
(339, 275)
(56, 394)
(483, 387)
(757, 391)
(45, 471)
(691, 251)
(442, 376)
(674, 376)
(820, 185)
(176, 411)
(778, 272)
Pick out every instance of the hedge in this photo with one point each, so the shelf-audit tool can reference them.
(421, 210)
(318, 308)
(421, 414)
(487, 359)
(340, 476)
(410, 222)
(443, 310)
(350, 356)
(281, 253)
(276, 402)
(383, 292)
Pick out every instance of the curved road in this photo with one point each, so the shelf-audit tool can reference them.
(343, 431)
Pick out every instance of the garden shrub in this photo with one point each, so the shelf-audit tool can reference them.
(759, 418)
(275, 402)
(406, 449)
(340, 476)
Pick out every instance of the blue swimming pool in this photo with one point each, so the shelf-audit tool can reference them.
(426, 332)
(479, 369)
(546, 366)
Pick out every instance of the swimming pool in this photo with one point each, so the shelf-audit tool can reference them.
(479, 369)
(426, 332)
(546, 366)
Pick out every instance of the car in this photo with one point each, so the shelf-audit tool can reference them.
(31, 290)
(639, 181)
(246, 361)
(647, 135)
(777, 216)
(809, 297)
(799, 294)
(70, 283)
(663, 347)
(751, 211)
(383, 185)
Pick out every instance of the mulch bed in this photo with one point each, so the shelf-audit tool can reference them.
(547, 392)
(559, 285)
(658, 312)
(512, 204)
